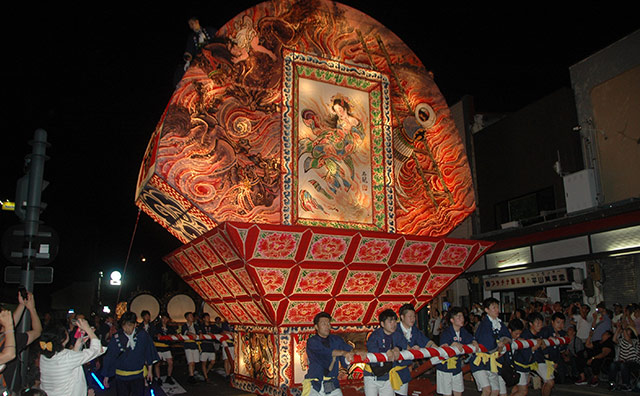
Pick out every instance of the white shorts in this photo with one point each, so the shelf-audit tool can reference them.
(192, 355)
(166, 355)
(524, 379)
(485, 378)
(224, 353)
(502, 386)
(207, 356)
(404, 389)
(336, 392)
(447, 383)
(542, 372)
(373, 387)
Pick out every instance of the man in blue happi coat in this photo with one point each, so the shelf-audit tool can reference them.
(376, 375)
(129, 358)
(449, 372)
(493, 334)
(408, 336)
(325, 352)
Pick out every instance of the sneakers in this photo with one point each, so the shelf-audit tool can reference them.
(594, 382)
(192, 379)
(169, 380)
(581, 382)
(158, 381)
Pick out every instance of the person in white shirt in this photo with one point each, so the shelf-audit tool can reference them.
(61, 372)
(582, 323)
(435, 324)
(618, 313)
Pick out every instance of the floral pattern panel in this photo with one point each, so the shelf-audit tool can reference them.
(302, 312)
(223, 248)
(273, 280)
(454, 255)
(436, 283)
(315, 281)
(207, 252)
(293, 272)
(361, 282)
(277, 245)
(328, 248)
(349, 312)
(195, 258)
(374, 250)
(402, 283)
(416, 252)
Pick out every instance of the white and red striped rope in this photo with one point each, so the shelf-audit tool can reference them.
(199, 337)
(441, 353)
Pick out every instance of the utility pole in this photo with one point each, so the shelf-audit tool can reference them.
(35, 162)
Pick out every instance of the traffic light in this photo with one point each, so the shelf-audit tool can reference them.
(32, 182)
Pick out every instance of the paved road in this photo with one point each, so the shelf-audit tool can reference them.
(219, 386)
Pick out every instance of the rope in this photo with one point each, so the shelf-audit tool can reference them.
(442, 353)
(199, 337)
(126, 262)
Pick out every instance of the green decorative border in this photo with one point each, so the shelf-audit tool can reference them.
(296, 66)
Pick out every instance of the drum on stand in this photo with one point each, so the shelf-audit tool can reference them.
(178, 305)
(145, 302)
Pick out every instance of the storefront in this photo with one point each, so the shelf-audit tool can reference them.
(587, 261)
(519, 289)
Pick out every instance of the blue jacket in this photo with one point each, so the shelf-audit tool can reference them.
(319, 352)
(378, 343)
(207, 345)
(524, 356)
(120, 358)
(162, 346)
(485, 335)
(552, 352)
(417, 338)
(190, 344)
(448, 337)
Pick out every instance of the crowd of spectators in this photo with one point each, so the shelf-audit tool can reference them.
(64, 351)
(604, 343)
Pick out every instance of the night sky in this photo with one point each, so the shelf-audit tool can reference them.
(97, 79)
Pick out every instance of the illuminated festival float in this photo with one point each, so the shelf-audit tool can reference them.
(308, 162)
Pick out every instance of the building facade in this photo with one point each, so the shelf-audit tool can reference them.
(565, 211)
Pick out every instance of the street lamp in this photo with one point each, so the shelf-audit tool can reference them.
(116, 278)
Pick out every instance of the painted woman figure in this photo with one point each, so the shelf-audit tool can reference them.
(334, 143)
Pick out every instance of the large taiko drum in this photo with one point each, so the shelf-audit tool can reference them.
(178, 305)
(145, 302)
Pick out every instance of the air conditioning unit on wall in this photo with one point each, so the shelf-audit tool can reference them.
(580, 190)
